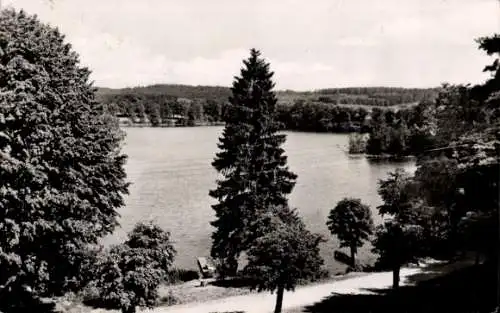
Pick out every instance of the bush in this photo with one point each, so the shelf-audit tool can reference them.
(357, 144)
(321, 275)
(180, 275)
(128, 275)
(168, 300)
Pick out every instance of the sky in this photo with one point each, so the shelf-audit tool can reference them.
(310, 44)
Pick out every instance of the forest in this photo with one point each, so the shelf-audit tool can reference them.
(369, 96)
(328, 110)
(396, 130)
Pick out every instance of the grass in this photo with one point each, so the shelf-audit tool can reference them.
(193, 292)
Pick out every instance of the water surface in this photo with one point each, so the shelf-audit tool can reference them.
(171, 175)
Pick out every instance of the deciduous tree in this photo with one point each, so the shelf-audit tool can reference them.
(62, 176)
(397, 244)
(352, 222)
(397, 191)
(284, 255)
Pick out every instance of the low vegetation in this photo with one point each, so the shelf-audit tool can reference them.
(179, 275)
(357, 143)
(128, 275)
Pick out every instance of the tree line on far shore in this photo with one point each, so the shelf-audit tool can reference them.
(397, 131)
(329, 110)
(367, 96)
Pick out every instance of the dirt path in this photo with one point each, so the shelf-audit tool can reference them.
(264, 302)
(303, 296)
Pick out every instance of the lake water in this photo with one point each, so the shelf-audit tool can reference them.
(170, 172)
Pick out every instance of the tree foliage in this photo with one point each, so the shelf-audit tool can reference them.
(255, 175)
(309, 116)
(396, 244)
(284, 255)
(402, 237)
(403, 132)
(397, 192)
(62, 176)
(356, 144)
(327, 110)
(352, 222)
(128, 274)
(460, 176)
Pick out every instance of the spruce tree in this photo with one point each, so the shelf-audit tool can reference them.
(251, 160)
(61, 169)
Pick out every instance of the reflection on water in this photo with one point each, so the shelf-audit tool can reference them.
(171, 175)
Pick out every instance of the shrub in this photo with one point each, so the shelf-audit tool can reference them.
(357, 143)
(169, 299)
(179, 275)
(129, 274)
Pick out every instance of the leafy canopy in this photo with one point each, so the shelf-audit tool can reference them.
(351, 221)
(397, 243)
(128, 274)
(285, 255)
(62, 176)
(397, 192)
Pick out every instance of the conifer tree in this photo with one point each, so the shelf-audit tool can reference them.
(61, 169)
(251, 160)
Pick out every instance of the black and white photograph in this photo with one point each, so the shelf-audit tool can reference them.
(249, 156)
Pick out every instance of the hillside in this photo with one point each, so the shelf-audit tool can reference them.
(369, 96)
(179, 91)
(325, 110)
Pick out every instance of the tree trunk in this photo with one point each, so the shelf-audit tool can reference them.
(395, 277)
(228, 267)
(232, 267)
(279, 299)
(476, 262)
(130, 309)
(353, 256)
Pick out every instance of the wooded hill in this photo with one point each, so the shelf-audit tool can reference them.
(324, 110)
(369, 96)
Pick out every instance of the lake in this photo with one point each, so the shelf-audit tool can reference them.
(170, 172)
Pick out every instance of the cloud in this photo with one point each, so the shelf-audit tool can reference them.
(358, 41)
(118, 62)
(325, 43)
